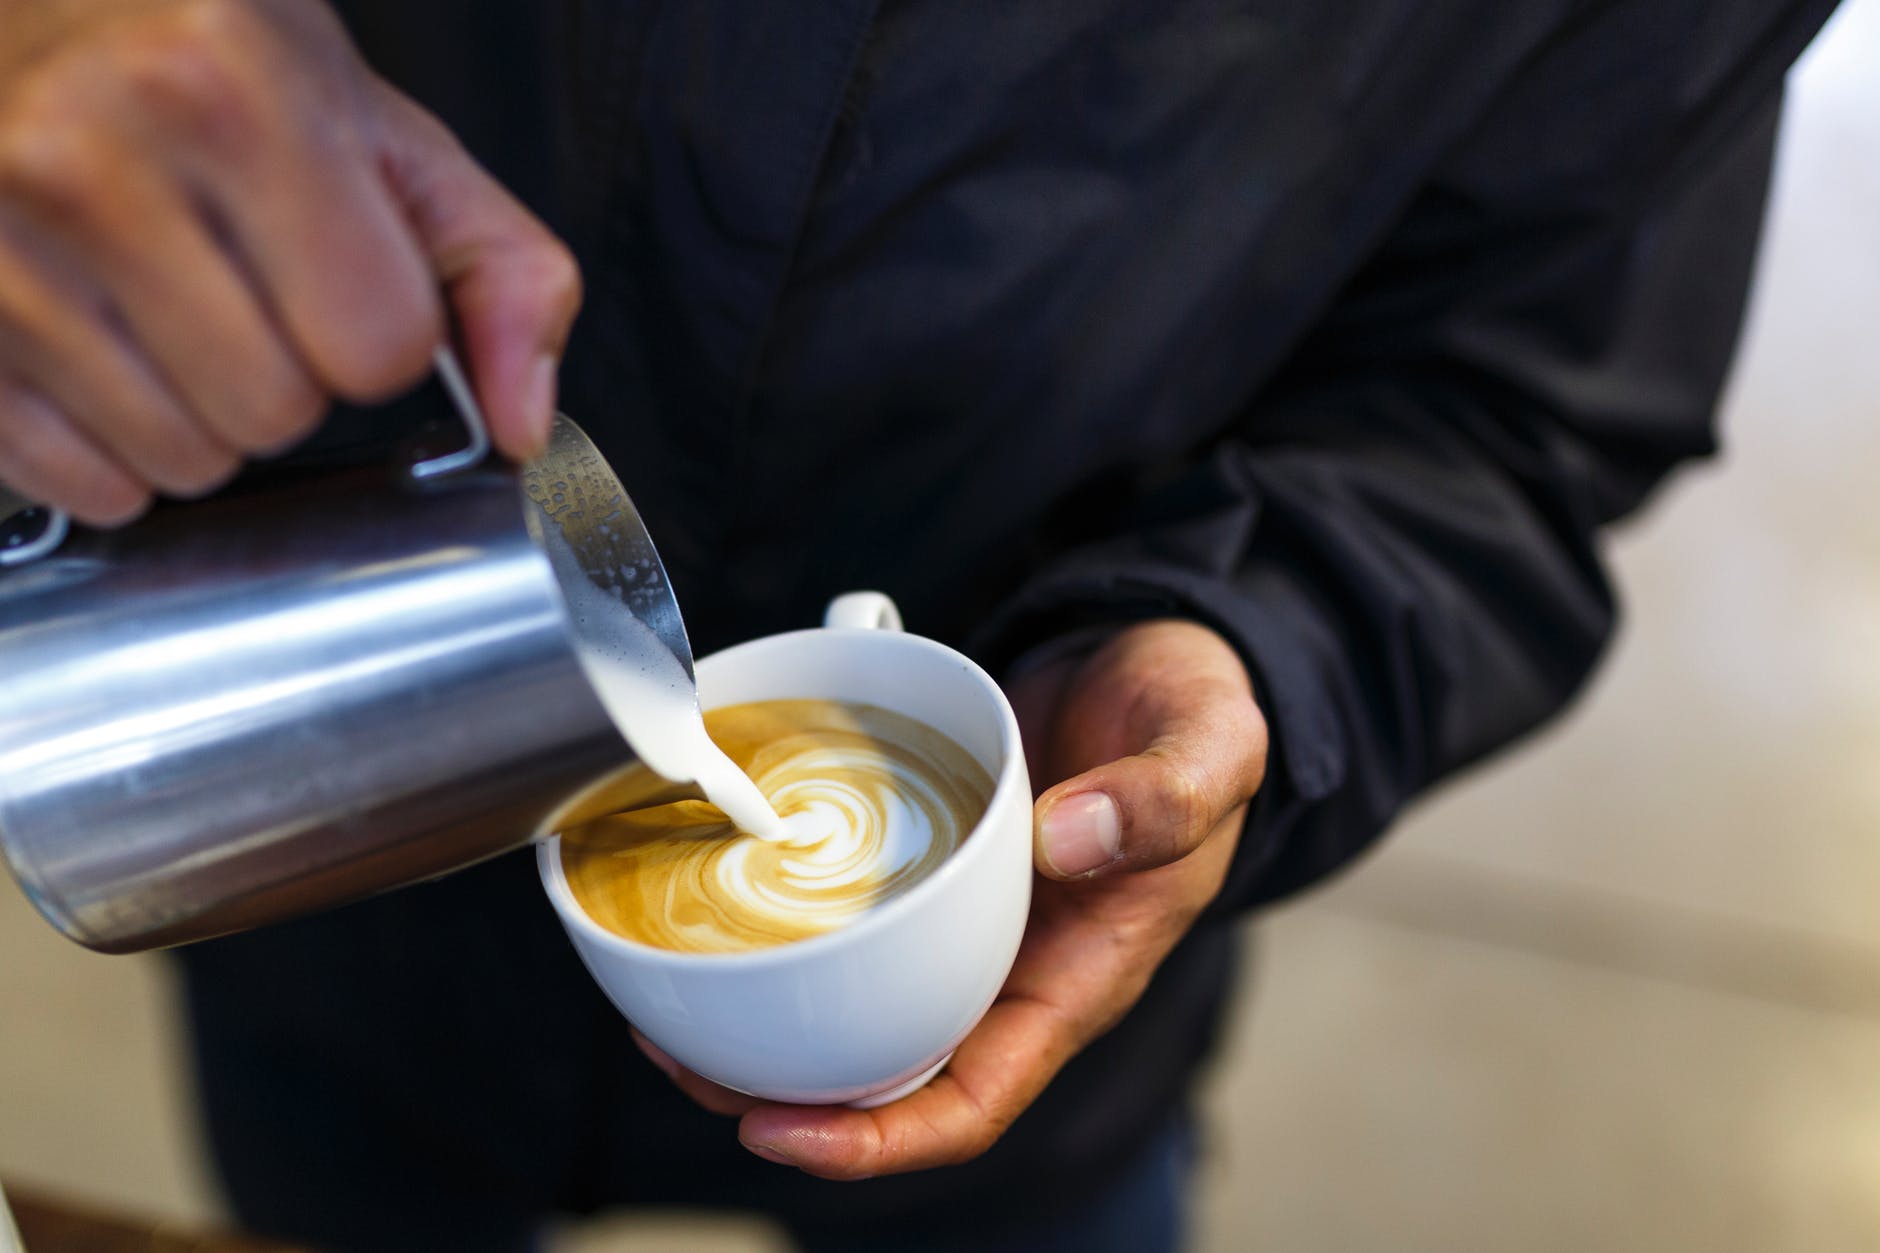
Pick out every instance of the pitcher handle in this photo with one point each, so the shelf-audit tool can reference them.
(16, 516)
(464, 398)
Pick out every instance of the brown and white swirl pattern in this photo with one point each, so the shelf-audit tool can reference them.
(872, 802)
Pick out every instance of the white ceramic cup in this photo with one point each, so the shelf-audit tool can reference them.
(869, 1012)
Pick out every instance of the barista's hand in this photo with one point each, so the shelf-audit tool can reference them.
(214, 218)
(1159, 745)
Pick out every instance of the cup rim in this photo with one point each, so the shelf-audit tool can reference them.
(1008, 778)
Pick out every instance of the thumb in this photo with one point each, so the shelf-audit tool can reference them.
(512, 286)
(1156, 806)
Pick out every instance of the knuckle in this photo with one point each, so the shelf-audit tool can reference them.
(58, 88)
(1238, 729)
(973, 1146)
(558, 277)
(61, 164)
(1253, 736)
(188, 80)
(1183, 798)
(228, 24)
(40, 99)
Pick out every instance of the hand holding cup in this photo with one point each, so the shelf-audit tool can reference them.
(1156, 745)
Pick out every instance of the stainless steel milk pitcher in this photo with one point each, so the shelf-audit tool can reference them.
(268, 703)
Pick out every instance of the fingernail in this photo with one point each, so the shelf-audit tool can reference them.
(1082, 833)
(541, 398)
(768, 1153)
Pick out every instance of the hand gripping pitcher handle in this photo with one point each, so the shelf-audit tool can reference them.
(267, 703)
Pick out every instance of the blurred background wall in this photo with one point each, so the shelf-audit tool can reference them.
(1619, 991)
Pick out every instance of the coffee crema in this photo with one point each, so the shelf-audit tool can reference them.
(872, 802)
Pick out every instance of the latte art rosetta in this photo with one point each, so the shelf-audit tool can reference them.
(872, 802)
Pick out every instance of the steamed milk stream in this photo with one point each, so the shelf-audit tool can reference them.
(649, 696)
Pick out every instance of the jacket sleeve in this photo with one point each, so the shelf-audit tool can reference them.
(1401, 533)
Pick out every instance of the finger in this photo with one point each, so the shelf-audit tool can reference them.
(1075, 976)
(55, 337)
(1156, 806)
(513, 287)
(195, 317)
(343, 274)
(46, 458)
(190, 312)
(997, 1072)
(715, 1097)
(284, 166)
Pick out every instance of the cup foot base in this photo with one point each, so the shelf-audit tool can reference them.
(900, 1090)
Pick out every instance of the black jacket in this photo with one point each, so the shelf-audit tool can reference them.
(1343, 326)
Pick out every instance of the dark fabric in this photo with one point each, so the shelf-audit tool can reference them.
(1144, 1209)
(1342, 326)
(413, 1077)
(440, 1050)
